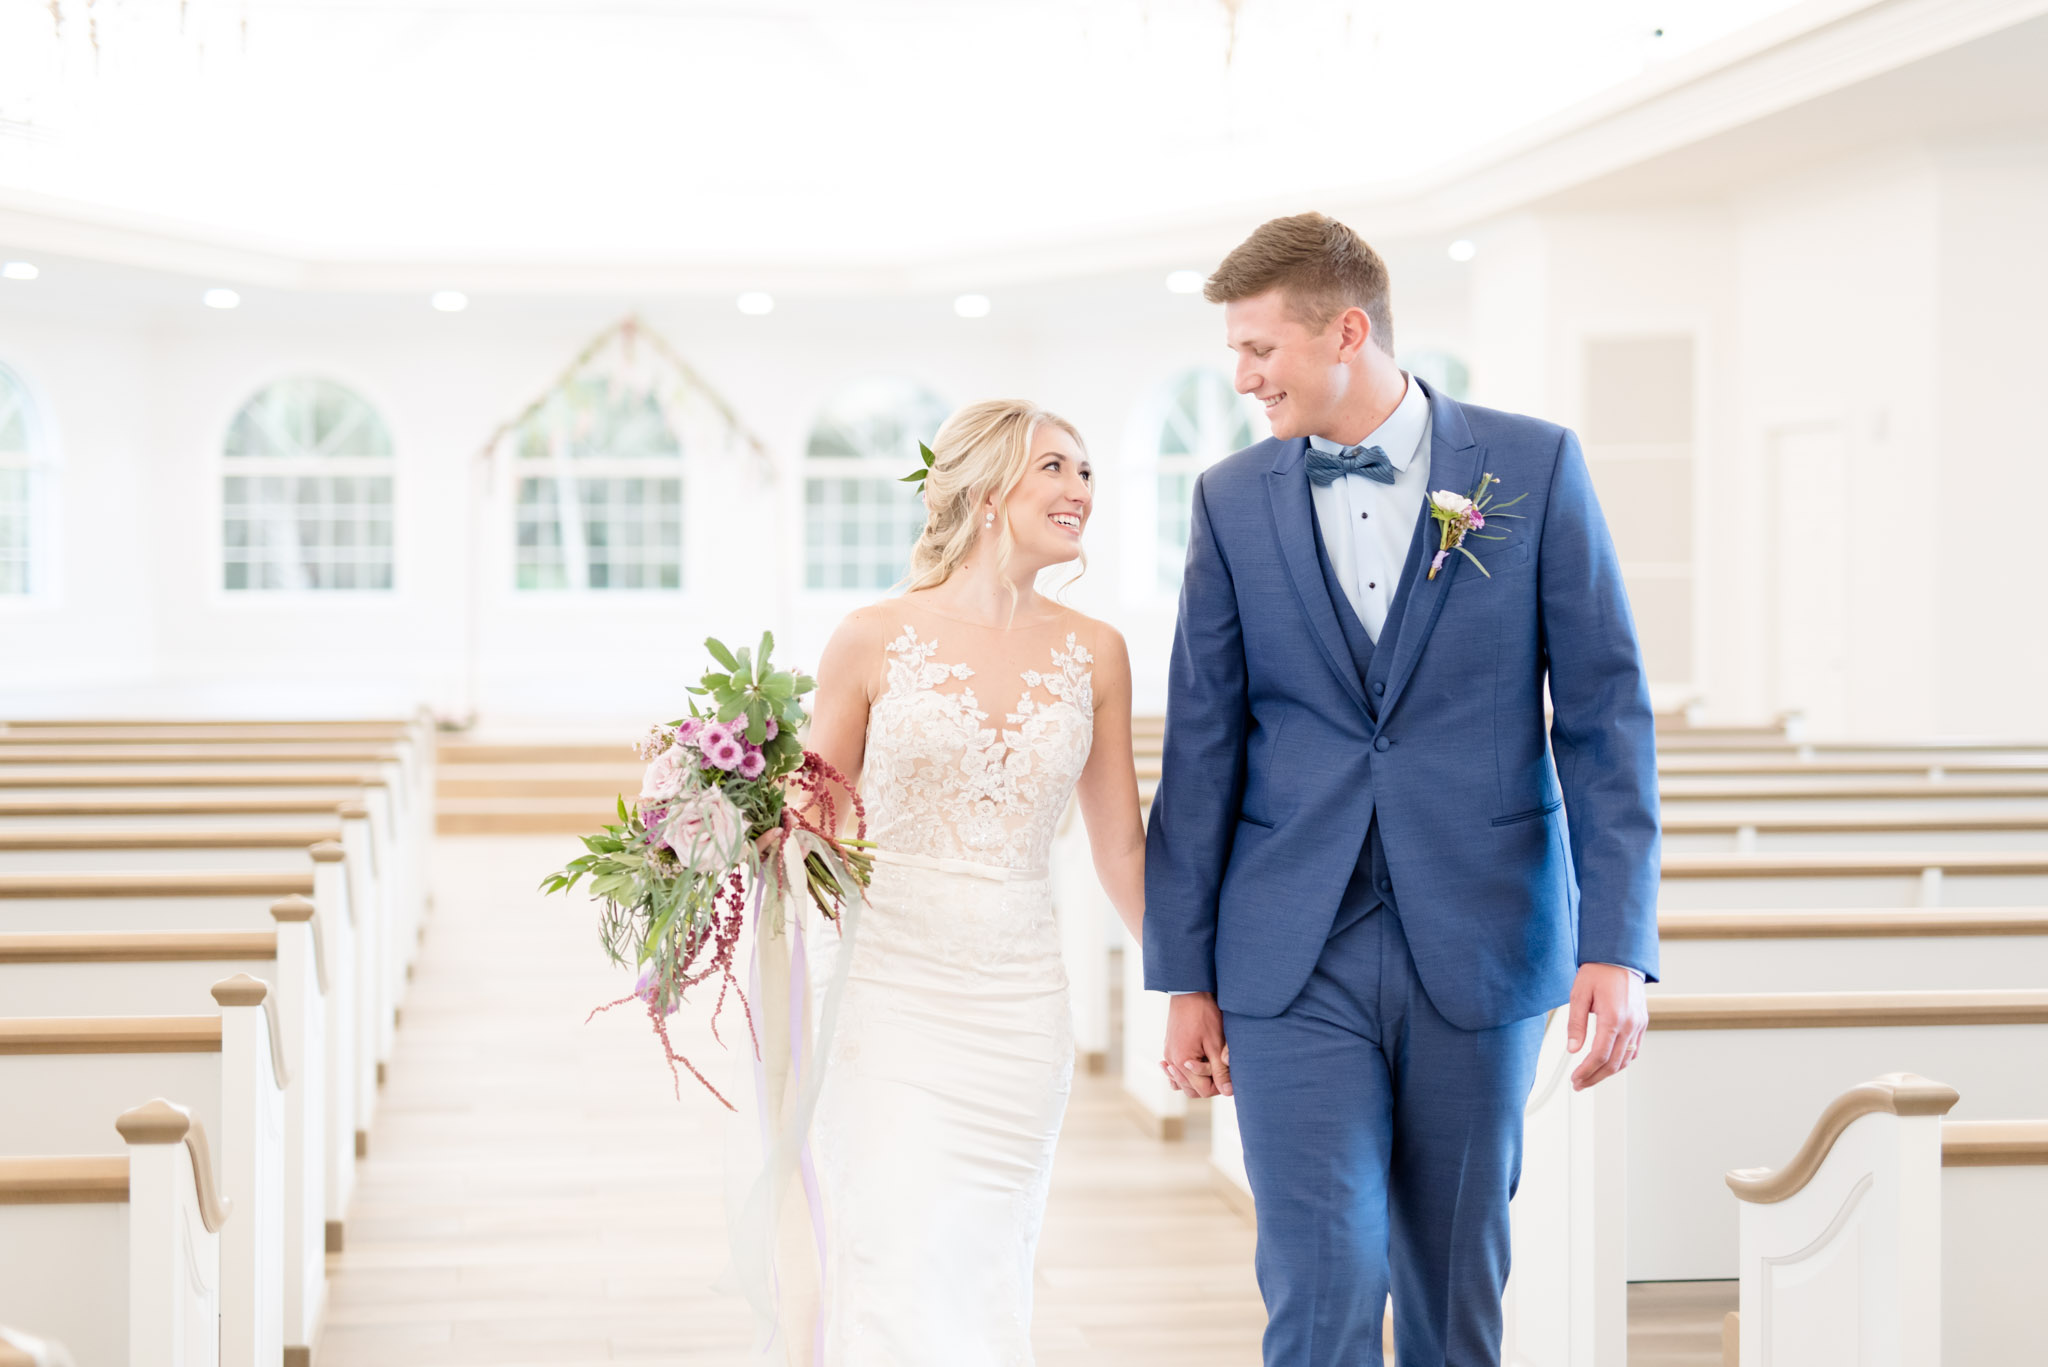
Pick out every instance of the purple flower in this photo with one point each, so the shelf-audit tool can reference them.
(1478, 518)
(753, 764)
(649, 991)
(1438, 563)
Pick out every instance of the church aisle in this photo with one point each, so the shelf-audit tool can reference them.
(534, 1194)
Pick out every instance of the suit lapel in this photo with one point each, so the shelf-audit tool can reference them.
(1454, 465)
(1294, 528)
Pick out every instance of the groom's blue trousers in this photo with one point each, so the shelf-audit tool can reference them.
(1383, 1144)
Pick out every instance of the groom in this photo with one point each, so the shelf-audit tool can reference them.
(1366, 870)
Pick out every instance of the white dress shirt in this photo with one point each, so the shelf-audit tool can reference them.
(1366, 525)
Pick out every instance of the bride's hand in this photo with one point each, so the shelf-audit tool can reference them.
(1197, 1059)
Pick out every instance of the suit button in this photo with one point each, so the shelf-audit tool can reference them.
(1387, 886)
(1379, 688)
(1382, 744)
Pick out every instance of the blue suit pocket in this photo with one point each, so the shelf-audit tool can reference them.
(1519, 817)
(1494, 559)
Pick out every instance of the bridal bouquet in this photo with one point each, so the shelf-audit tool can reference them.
(713, 833)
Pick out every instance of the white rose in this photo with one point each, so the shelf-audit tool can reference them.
(1456, 505)
(664, 776)
(704, 830)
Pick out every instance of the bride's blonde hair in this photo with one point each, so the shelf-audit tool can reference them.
(983, 449)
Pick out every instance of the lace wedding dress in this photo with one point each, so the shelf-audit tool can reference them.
(947, 1075)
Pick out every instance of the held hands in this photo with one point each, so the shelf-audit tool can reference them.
(1197, 1060)
(1614, 996)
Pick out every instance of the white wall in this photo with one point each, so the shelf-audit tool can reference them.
(1879, 313)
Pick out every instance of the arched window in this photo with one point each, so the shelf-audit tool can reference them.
(18, 490)
(306, 493)
(860, 520)
(1205, 419)
(600, 492)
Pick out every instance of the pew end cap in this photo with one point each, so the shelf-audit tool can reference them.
(1899, 1094)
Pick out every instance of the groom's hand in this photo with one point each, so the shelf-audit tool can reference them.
(1196, 1060)
(1614, 997)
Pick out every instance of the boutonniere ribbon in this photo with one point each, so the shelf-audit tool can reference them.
(1460, 516)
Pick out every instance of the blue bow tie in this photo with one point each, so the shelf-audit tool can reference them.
(1324, 467)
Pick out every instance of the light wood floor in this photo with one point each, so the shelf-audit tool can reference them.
(535, 1194)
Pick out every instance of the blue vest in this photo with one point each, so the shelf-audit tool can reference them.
(1373, 659)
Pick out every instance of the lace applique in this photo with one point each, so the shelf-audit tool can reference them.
(940, 780)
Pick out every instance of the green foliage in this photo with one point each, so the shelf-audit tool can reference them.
(917, 476)
(751, 688)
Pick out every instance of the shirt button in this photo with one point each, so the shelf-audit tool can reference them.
(1372, 586)
(1382, 744)
(1365, 514)
(1379, 688)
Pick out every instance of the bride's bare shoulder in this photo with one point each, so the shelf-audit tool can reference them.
(856, 644)
(1103, 641)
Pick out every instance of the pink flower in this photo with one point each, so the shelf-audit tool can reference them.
(753, 763)
(687, 729)
(724, 751)
(1477, 518)
(772, 728)
(665, 775)
(703, 828)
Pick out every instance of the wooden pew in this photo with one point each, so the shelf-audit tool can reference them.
(120, 1255)
(371, 860)
(234, 901)
(400, 831)
(1865, 879)
(1931, 829)
(165, 973)
(1892, 1228)
(1852, 950)
(1792, 1052)
(60, 1071)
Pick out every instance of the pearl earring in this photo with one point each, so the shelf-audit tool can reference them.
(990, 520)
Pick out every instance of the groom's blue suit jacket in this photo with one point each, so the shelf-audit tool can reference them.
(1508, 870)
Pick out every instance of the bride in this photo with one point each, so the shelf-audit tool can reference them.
(965, 712)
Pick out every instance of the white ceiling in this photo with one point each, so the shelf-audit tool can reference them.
(799, 134)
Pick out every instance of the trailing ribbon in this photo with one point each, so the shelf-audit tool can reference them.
(778, 1263)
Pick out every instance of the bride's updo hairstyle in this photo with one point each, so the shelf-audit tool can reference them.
(983, 449)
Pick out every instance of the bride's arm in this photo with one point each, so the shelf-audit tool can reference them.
(839, 709)
(1108, 788)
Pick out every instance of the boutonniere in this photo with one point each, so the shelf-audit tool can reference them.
(1460, 517)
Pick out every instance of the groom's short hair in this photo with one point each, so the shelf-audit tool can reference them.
(1318, 264)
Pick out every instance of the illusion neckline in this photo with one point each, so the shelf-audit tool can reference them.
(1053, 621)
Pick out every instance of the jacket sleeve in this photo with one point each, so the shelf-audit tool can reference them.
(1194, 811)
(1602, 733)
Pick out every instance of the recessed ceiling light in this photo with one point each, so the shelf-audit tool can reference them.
(757, 303)
(971, 306)
(1185, 282)
(450, 301)
(1464, 249)
(19, 270)
(220, 299)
